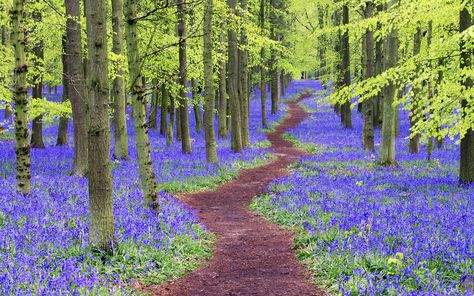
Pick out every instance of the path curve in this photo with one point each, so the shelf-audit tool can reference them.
(251, 256)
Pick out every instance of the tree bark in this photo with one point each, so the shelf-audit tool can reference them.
(346, 68)
(137, 90)
(233, 83)
(263, 83)
(152, 120)
(244, 76)
(101, 216)
(118, 91)
(172, 109)
(223, 97)
(164, 110)
(20, 88)
(196, 90)
(387, 146)
(209, 133)
(274, 72)
(183, 96)
(466, 171)
(76, 86)
(368, 106)
(62, 139)
(414, 146)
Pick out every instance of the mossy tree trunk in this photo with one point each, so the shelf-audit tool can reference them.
(76, 86)
(101, 216)
(164, 110)
(183, 73)
(196, 92)
(274, 71)
(137, 90)
(368, 106)
(346, 68)
(466, 172)
(233, 83)
(244, 76)
(387, 146)
(263, 82)
(118, 91)
(20, 88)
(223, 96)
(209, 132)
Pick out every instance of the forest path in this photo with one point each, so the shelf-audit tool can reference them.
(251, 256)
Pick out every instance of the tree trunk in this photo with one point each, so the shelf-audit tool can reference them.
(274, 72)
(414, 146)
(37, 91)
(101, 216)
(22, 146)
(244, 77)
(263, 83)
(172, 108)
(164, 110)
(76, 86)
(152, 120)
(119, 97)
(137, 90)
(209, 133)
(223, 97)
(368, 106)
(183, 96)
(466, 171)
(196, 91)
(62, 139)
(387, 147)
(233, 83)
(346, 68)
(378, 108)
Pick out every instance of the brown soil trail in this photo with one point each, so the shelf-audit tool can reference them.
(252, 256)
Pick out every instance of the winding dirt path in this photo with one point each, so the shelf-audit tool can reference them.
(252, 256)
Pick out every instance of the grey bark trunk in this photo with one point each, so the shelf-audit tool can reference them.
(62, 139)
(368, 106)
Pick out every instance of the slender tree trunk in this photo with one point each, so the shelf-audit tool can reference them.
(274, 72)
(172, 108)
(196, 90)
(164, 110)
(263, 83)
(152, 120)
(62, 139)
(244, 77)
(119, 97)
(233, 83)
(414, 146)
(20, 88)
(137, 89)
(209, 133)
(177, 115)
(76, 86)
(37, 91)
(223, 97)
(387, 147)
(183, 97)
(5, 41)
(466, 171)
(368, 106)
(378, 113)
(346, 68)
(101, 216)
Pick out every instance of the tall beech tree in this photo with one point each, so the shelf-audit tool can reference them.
(101, 216)
(183, 95)
(466, 174)
(274, 71)
(62, 139)
(118, 91)
(137, 90)
(74, 73)
(223, 96)
(387, 146)
(209, 132)
(20, 88)
(368, 106)
(346, 69)
(263, 82)
(244, 76)
(233, 83)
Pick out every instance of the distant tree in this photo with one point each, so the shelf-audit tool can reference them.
(368, 105)
(62, 139)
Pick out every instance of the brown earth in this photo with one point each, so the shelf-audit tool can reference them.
(251, 256)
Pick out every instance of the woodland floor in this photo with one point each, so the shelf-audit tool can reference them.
(251, 256)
